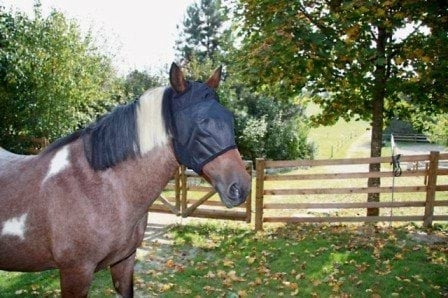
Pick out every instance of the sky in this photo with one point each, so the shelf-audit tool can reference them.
(141, 33)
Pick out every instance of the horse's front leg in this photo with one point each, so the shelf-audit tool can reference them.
(75, 282)
(122, 276)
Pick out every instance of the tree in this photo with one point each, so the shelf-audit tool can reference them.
(53, 79)
(203, 34)
(137, 82)
(372, 59)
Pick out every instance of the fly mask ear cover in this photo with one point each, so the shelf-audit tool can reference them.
(202, 128)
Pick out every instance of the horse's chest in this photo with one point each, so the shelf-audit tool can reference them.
(126, 243)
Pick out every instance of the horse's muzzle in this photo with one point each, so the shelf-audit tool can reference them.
(237, 194)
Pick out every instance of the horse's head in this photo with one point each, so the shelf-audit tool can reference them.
(204, 138)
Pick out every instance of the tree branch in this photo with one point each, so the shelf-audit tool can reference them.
(315, 22)
(398, 47)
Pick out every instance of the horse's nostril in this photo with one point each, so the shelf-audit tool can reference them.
(234, 191)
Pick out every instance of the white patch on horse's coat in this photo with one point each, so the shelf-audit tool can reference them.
(58, 163)
(150, 125)
(15, 226)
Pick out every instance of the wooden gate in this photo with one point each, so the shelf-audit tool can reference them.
(189, 195)
(169, 200)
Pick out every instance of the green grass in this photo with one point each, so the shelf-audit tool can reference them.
(334, 141)
(46, 284)
(228, 260)
(302, 260)
(336, 138)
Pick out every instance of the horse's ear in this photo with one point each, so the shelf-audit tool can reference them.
(215, 78)
(177, 79)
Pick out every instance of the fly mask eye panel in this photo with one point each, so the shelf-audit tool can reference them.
(201, 127)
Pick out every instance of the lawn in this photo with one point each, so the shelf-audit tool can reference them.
(230, 260)
(334, 141)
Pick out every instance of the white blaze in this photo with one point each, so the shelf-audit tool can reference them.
(58, 163)
(15, 226)
(150, 125)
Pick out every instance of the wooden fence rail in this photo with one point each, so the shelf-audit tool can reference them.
(430, 187)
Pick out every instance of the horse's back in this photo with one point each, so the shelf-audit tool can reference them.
(9, 162)
(6, 156)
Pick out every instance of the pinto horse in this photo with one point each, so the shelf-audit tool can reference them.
(81, 205)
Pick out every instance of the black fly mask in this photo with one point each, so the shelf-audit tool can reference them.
(200, 126)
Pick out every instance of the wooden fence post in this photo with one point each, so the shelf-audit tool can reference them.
(249, 168)
(431, 188)
(260, 165)
(184, 186)
(177, 188)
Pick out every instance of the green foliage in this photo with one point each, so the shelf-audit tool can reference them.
(332, 47)
(270, 128)
(203, 34)
(199, 70)
(53, 79)
(351, 55)
(437, 129)
(137, 82)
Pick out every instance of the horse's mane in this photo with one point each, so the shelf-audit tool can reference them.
(113, 137)
(108, 141)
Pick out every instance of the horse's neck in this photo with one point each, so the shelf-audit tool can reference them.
(135, 183)
(144, 178)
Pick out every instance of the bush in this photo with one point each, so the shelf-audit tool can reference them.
(437, 130)
(270, 128)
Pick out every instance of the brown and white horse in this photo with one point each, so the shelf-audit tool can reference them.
(81, 205)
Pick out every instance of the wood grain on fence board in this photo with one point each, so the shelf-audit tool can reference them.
(348, 161)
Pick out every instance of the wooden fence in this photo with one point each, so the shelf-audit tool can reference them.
(190, 192)
(430, 187)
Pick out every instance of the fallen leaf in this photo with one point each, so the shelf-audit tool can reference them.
(170, 264)
(250, 260)
(228, 263)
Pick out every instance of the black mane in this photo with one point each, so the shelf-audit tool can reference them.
(167, 112)
(110, 140)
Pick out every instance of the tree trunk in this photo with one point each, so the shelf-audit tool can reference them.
(379, 93)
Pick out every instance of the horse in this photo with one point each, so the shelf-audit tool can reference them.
(81, 205)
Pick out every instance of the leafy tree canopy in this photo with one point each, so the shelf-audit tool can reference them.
(137, 82)
(53, 79)
(348, 51)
